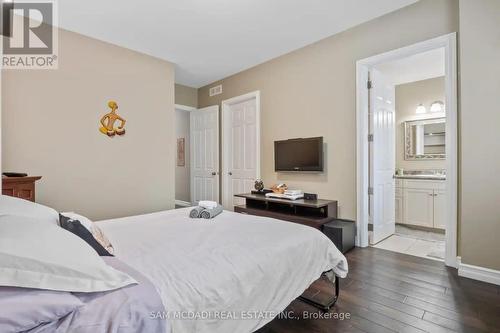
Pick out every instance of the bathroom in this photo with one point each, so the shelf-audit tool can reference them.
(420, 201)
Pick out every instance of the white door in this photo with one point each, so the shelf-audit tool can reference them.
(204, 128)
(382, 157)
(241, 142)
(419, 206)
(440, 209)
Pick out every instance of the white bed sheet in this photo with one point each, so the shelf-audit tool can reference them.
(232, 267)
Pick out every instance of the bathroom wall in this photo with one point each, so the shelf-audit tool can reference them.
(408, 97)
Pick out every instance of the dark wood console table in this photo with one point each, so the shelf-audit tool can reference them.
(313, 213)
(20, 187)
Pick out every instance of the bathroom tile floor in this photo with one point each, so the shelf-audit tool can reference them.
(420, 243)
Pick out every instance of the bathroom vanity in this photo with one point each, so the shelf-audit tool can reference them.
(421, 200)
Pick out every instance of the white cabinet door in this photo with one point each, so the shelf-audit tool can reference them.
(439, 209)
(399, 209)
(418, 207)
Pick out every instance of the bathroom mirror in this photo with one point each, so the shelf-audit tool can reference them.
(425, 139)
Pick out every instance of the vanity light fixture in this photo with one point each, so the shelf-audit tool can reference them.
(420, 109)
(437, 106)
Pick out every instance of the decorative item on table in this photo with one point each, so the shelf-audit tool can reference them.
(259, 188)
(279, 188)
(292, 192)
(181, 152)
(259, 185)
(14, 174)
(108, 122)
(310, 196)
(286, 194)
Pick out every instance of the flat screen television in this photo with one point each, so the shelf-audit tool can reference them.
(299, 154)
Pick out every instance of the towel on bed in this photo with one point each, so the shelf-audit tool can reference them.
(196, 212)
(211, 213)
(207, 204)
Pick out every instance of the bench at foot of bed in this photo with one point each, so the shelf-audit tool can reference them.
(320, 296)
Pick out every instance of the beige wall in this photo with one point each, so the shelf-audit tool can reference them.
(408, 97)
(51, 122)
(480, 121)
(182, 177)
(311, 92)
(186, 95)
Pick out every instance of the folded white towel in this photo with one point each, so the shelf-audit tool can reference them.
(207, 204)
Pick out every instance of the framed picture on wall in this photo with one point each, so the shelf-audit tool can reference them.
(181, 152)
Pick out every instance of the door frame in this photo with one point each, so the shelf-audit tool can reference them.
(226, 108)
(449, 43)
(185, 108)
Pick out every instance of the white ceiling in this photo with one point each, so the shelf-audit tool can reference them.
(421, 66)
(211, 39)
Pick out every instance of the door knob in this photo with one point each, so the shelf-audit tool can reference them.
(230, 173)
(214, 173)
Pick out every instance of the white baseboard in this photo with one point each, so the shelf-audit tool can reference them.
(182, 203)
(478, 273)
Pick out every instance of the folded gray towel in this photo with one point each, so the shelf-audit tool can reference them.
(196, 212)
(211, 213)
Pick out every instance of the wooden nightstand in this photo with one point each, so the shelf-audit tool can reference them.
(20, 187)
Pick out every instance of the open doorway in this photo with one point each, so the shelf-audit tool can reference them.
(197, 155)
(183, 152)
(407, 150)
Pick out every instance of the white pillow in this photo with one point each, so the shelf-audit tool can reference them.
(16, 206)
(38, 255)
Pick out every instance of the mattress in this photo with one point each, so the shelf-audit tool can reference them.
(233, 273)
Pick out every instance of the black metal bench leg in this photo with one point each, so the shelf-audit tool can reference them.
(330, 304)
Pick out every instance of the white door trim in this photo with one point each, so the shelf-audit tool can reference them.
(224, 135)
(186, 108)
(478, 273)
(181, 107)
(448, 42)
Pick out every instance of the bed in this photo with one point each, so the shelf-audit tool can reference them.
(233, 273)
(170, 273)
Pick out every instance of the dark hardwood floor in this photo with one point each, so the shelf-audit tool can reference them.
(392, 292)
